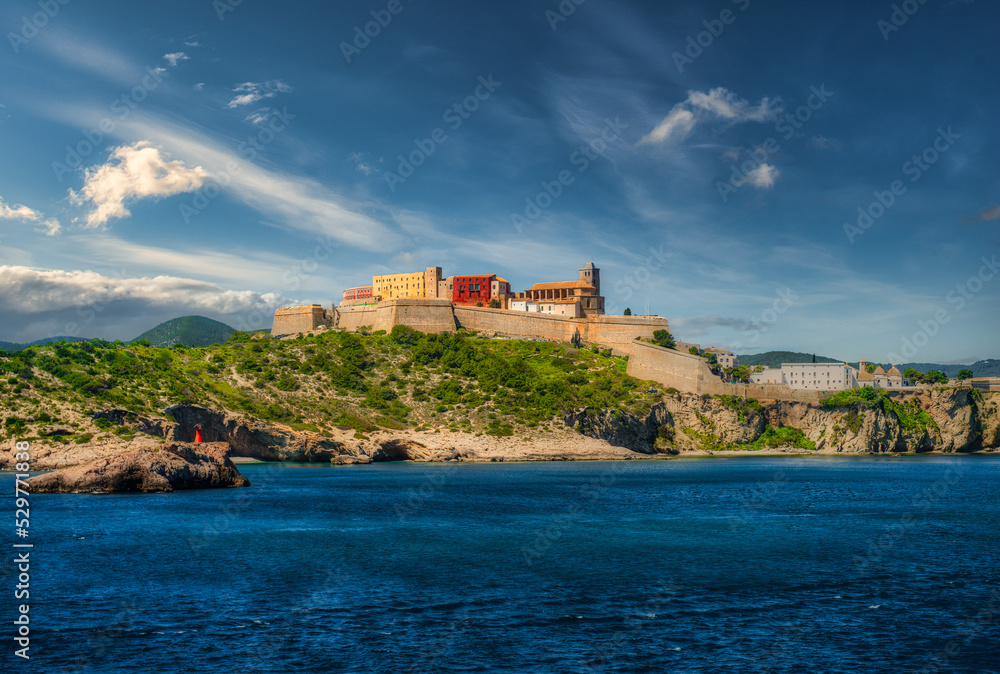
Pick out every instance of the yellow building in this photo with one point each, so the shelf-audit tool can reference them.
(415, 284)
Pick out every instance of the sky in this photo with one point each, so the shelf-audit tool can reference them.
(819, 177)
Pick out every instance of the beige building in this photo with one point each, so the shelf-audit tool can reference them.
(586, 291)
(893, 379)
(415, 284)
(722, 357)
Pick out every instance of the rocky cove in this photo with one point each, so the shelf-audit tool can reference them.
(944, 420)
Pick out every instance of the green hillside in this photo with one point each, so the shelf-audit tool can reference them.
(12, 346)
(401, 380)
(191, 331)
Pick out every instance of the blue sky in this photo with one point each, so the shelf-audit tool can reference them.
(162, 159)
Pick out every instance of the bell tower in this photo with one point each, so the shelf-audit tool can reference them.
(592, 275)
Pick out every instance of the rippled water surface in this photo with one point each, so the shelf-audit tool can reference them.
(741, 564)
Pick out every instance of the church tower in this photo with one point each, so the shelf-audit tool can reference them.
(592, 275)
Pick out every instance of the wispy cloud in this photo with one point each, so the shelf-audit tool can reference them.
(989, 214)
(764, 176)
(360, 164)
(133, 172)
(718, 103)
(824, 143)
(48, 226)
(174, 58)
(249, 93)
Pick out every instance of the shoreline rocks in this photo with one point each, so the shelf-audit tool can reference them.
(148, 470)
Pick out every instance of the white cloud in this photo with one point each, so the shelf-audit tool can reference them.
(260, 116)
(249, 93)
(199, 86)
(192, 44)
(719, 103)
(133, 172)
(764, 176)
(680, 121)
(50, 226)
(18, 212)
(57, 302)
(176, 57)
(360, 164)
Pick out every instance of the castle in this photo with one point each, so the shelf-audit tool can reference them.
(577, 299)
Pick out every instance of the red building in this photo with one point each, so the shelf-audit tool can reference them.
(482, 288)
(472, 289)
(359, 295)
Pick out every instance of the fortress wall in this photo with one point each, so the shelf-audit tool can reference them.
(425, 315)
(691, 374)
(420, 314)
(291, 320)
(518, 323)
(607, 330)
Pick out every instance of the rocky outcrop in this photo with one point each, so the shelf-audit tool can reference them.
(621, 429)
(154, 469)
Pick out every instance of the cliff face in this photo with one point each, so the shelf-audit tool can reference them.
(956, 420)
(947, 420)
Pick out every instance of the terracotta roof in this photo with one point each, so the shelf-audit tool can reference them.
(502, 279)
(894, 372)
(563, 284)
(879, 370)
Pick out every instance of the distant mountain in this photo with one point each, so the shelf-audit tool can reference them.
(776, 358)
(11, 346)
(191, 331)
(982, 368)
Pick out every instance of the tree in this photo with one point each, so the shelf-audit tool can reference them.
(664, 338)
(911, 373)
(494, 303)
(871, 367)
(814, 357)
(936, 377)
(739, 373)
(965, 374)
(628, 312)
(693, 350)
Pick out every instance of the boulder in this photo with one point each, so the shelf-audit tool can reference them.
(153, 469)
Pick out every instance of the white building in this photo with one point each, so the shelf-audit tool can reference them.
(808, 376)
(569, 308)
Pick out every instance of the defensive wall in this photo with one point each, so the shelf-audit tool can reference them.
(670, 368)
(291, 320)
(691, 374)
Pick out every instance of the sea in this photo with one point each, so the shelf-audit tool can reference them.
(716, 564)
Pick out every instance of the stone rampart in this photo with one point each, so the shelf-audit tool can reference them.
(607, 330)
(691, 374)
(420, 314)
(290, 320)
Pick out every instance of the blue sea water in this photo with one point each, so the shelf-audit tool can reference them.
(768, 564)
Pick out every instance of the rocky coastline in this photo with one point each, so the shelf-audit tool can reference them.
(946, 420)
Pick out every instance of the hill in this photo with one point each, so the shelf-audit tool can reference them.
(11, 346)
(982, 368)
(776, 358)
(190, 331)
